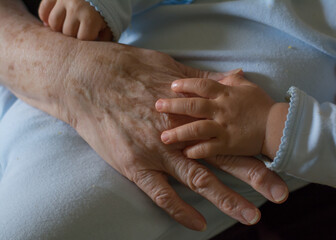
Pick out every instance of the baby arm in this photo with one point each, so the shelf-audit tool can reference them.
(76, 18)
(236, 117)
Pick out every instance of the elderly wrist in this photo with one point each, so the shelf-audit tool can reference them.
(274, 129)
(35, 63)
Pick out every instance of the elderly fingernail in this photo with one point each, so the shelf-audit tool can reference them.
(198, 225)
(159, 105)
(251, 215)
(279, 193)
(165, 137)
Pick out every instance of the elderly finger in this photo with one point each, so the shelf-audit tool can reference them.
(156, 186)
(199, 130)
(255, 173)
(198, 178)
(202, 87)
(193, 107)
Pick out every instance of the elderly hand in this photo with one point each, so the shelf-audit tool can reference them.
(107, 92)
(110, 95)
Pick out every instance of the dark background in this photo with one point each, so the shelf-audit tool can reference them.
(33, 5)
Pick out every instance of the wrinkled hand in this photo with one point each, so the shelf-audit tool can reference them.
(232, 118)
(109, 98)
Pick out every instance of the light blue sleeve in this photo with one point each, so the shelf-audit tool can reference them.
(308, 146)
(118, 13)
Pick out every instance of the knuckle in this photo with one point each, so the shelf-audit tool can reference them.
(139, 177)
(142, 178)
(194, 130)
(201, 84)
(198, 178)
(190, 106)
(228, 204)
(177, 213)
(163, 199)
(257, 176)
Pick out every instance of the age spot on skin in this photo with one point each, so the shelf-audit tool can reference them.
(25, 27)
(19, 41)
(11, 67)
(99, 119)
(102, 60)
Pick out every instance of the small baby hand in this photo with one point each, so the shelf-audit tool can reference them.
(232, 117)
(76, 18)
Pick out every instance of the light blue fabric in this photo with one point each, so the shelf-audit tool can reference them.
(54, 186)
(118, 14)
(168, 2)
(308, 145)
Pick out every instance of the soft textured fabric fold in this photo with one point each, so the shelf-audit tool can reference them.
(308, 145)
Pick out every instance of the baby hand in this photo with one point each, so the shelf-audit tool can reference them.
(76, 18)
(232, 117)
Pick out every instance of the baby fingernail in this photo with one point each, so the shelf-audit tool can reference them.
(174, 85)
(159, 105)
(235, 71)
(251, 215)
(165, 137)
(279, 193)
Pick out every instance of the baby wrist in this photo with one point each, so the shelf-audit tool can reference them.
(274, 129)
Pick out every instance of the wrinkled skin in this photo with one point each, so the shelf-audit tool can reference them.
(107, 92)
(109, 98)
